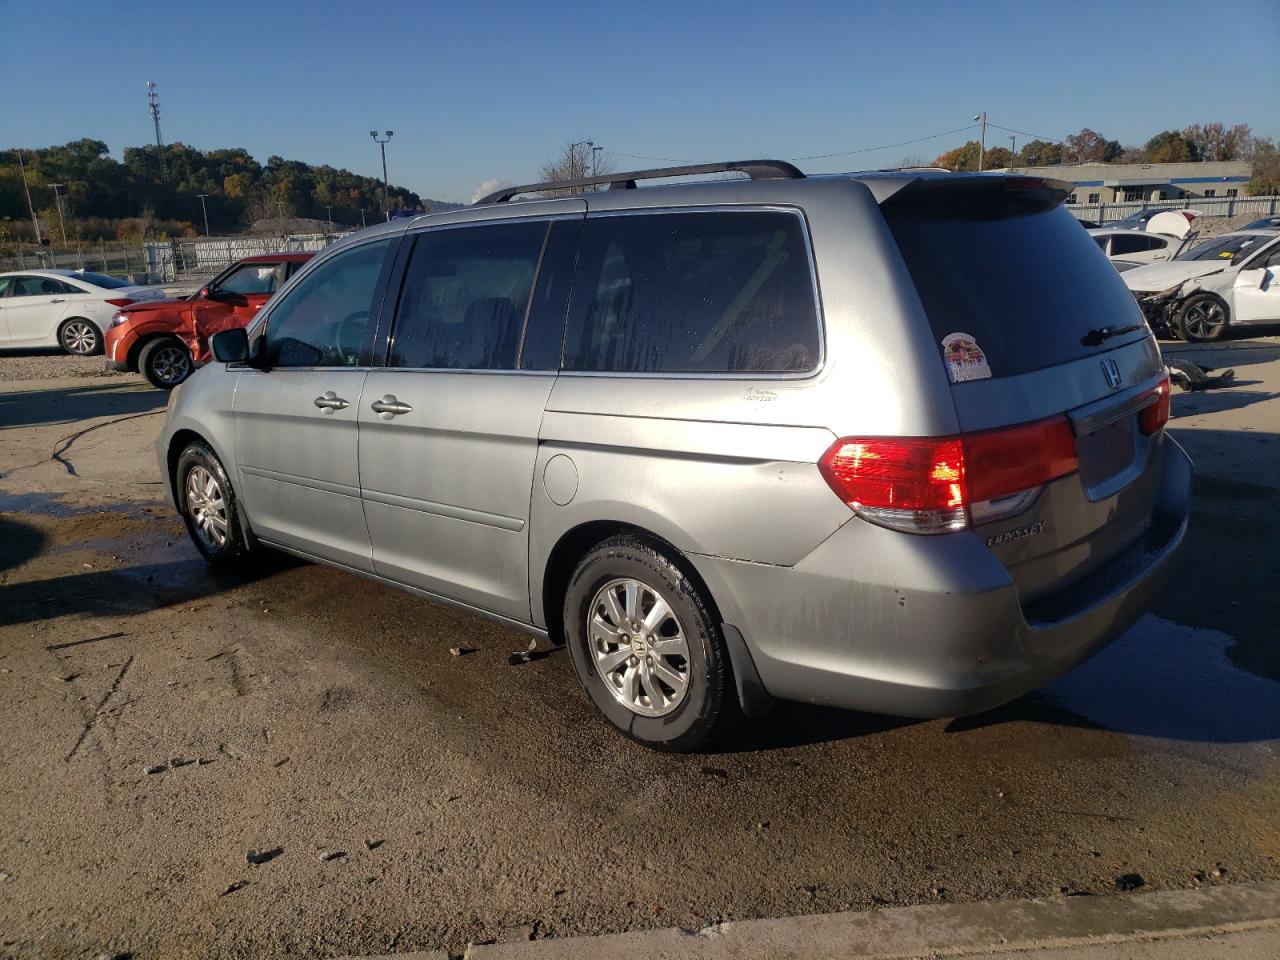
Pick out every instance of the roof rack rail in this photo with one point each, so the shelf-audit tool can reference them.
(755, 169)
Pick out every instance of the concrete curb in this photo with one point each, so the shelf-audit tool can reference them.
(947, 930)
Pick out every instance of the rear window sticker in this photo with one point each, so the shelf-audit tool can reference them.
(965, 359)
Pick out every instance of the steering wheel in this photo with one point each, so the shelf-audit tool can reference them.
(348, 336)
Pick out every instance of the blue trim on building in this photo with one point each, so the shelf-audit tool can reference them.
(1211, 180)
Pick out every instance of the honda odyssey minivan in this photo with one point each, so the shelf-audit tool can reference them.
(891, 442)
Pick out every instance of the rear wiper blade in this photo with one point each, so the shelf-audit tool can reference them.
(1095, 336)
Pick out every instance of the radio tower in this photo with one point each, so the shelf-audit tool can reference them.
(153, 100)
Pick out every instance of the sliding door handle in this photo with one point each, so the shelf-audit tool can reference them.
(389, 407)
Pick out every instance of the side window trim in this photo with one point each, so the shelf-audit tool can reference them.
(395, 290)
(819, 311)
(259, 328)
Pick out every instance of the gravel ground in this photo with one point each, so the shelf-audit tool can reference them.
(161, 721)
(50, 365)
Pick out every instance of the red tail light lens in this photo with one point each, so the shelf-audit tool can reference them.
(926, 484)
(122, 302)
(1152, 418)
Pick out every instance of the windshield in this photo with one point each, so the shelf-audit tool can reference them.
(101, 280)
(1225, 248)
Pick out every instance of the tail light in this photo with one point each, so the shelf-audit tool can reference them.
(1154, 416)
(121, 302)
(935, 484)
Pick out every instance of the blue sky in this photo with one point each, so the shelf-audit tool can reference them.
(481, 91)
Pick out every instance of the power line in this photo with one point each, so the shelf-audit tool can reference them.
(1023, 133)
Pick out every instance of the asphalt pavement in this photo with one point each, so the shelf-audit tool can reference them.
(161, 723)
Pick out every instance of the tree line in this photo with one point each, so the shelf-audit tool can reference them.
(1193, 144)
(105, 198)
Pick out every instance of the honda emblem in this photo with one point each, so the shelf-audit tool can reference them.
(1111, 371)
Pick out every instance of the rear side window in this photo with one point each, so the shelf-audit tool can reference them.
(1024, 283)
(466, 291)
(707, 292)
(1125, 244)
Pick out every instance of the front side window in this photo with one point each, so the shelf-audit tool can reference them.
(252, 278)
(706, 292)
(41, 287)
(465, 295)
(327, 320)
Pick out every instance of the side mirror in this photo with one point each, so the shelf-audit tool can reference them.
(230, 346)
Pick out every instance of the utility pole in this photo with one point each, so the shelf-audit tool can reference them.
(32, 210)
(205, 211)
(330, 209)
(982, 140)
(386, 184)
(153, 103)
(595, 151)
(1013, 152)
(57, 202)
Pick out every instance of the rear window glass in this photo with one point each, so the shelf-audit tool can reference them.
(101, 280)
(1225, 248)
(708, 292)
(1024, 287)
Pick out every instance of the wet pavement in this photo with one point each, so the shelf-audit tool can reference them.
(422, 799)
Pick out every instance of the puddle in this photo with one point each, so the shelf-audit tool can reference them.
(1165, 680)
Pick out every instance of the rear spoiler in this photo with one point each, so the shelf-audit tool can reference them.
(977, 196)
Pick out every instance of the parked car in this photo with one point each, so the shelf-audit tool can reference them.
(892, 442)
(165, 340)
(1224, 283)
(1135, 247)
(63, 308)
(1139, 220)
(1266, 223)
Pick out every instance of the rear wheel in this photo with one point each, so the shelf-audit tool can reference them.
(646, 646)
(80, 337)
(1202, 318)
(209, 507)
(165, 362)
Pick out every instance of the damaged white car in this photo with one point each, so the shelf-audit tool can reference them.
(1225, 283)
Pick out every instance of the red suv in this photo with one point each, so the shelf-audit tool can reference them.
(165, 340)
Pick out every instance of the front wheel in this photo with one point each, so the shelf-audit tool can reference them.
(80, 337)
(209, 507)
(646, 646)
(165, 362)
(1202, 318)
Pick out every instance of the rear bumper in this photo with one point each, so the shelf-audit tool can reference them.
(933, 626)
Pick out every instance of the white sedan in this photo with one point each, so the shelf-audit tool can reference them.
(63, 308)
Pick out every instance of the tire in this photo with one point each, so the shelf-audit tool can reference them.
(634, 682)
(1202, 318)
(165, 362)
(80, 337)
(209, 508)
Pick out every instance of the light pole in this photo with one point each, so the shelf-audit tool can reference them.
(57, 202)
(205, 211)
(31, 209)
(595, 151)
(982, 141)
(386, 184)
(330, 209)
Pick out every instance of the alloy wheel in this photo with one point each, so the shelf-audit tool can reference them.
(1204, 320)
(639, 647)
(170, 364)
(80, 337)
(207, 507)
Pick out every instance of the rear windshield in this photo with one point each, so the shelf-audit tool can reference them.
(1023, 285)
(100, 280)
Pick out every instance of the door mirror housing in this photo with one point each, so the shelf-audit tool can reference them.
(230, 346)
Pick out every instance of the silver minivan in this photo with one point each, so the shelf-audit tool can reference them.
(891, 442)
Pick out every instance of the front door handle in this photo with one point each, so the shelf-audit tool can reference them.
(59, 300)
(389, 407)
(330, 401)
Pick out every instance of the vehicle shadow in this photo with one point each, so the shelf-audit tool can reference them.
(122, 592)
(19, 542)
(33, 408)
(1216, 401)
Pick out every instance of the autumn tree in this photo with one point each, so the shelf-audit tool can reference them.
(1089, 146)
(1040, 153)
(1214, 141)
(964, 157)
(1263, 153)
(1170, 146)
